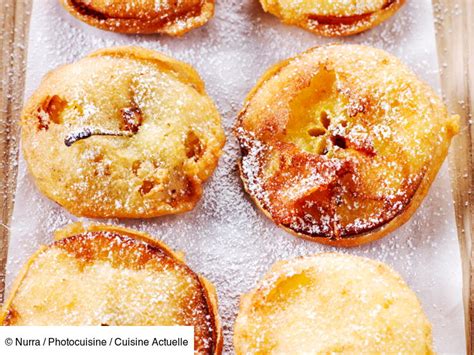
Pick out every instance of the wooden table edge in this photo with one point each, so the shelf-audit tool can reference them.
(14, 24)
(455, 40)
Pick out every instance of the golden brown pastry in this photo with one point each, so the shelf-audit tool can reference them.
(173, 17)
(124, 132)
(341, 143)
(333, 18)
(331, 303)
(113, 276)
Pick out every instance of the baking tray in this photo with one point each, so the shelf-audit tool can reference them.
(212, 239)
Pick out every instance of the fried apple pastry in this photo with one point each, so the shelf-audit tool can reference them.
(331, 303)
(333, 18)
(125, 132)
(172, 17)
(341, 143)
(103, 275)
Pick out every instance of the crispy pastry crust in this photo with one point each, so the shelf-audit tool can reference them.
(331, 303)
(342, 19)
(337, 144)
(173, 17)
(168, 135)
(123, 249)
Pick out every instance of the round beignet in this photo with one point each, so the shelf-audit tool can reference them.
(333, 18)
(171, 17)
(114, 276)
(341, 143)
(331, 303)
(125, 132)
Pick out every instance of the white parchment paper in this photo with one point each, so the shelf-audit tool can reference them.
(226, 238)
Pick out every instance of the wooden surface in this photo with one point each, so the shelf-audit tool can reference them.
(14, 21)
(455, 36)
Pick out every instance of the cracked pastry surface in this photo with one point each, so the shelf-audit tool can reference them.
(173, 17)
(341, 143)
(333, 18)
(331, 303)
(113, 276)
(125, 132)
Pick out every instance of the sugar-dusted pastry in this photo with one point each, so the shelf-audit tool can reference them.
(331, 303)
(341, 143)
(333, 18)
(113, 276)
(124, 132)
(173, 17)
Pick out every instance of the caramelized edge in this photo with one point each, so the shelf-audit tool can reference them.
(77, 229)
(168, 25)
(349, 25)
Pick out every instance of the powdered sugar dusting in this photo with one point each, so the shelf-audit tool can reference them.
(226, 238)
